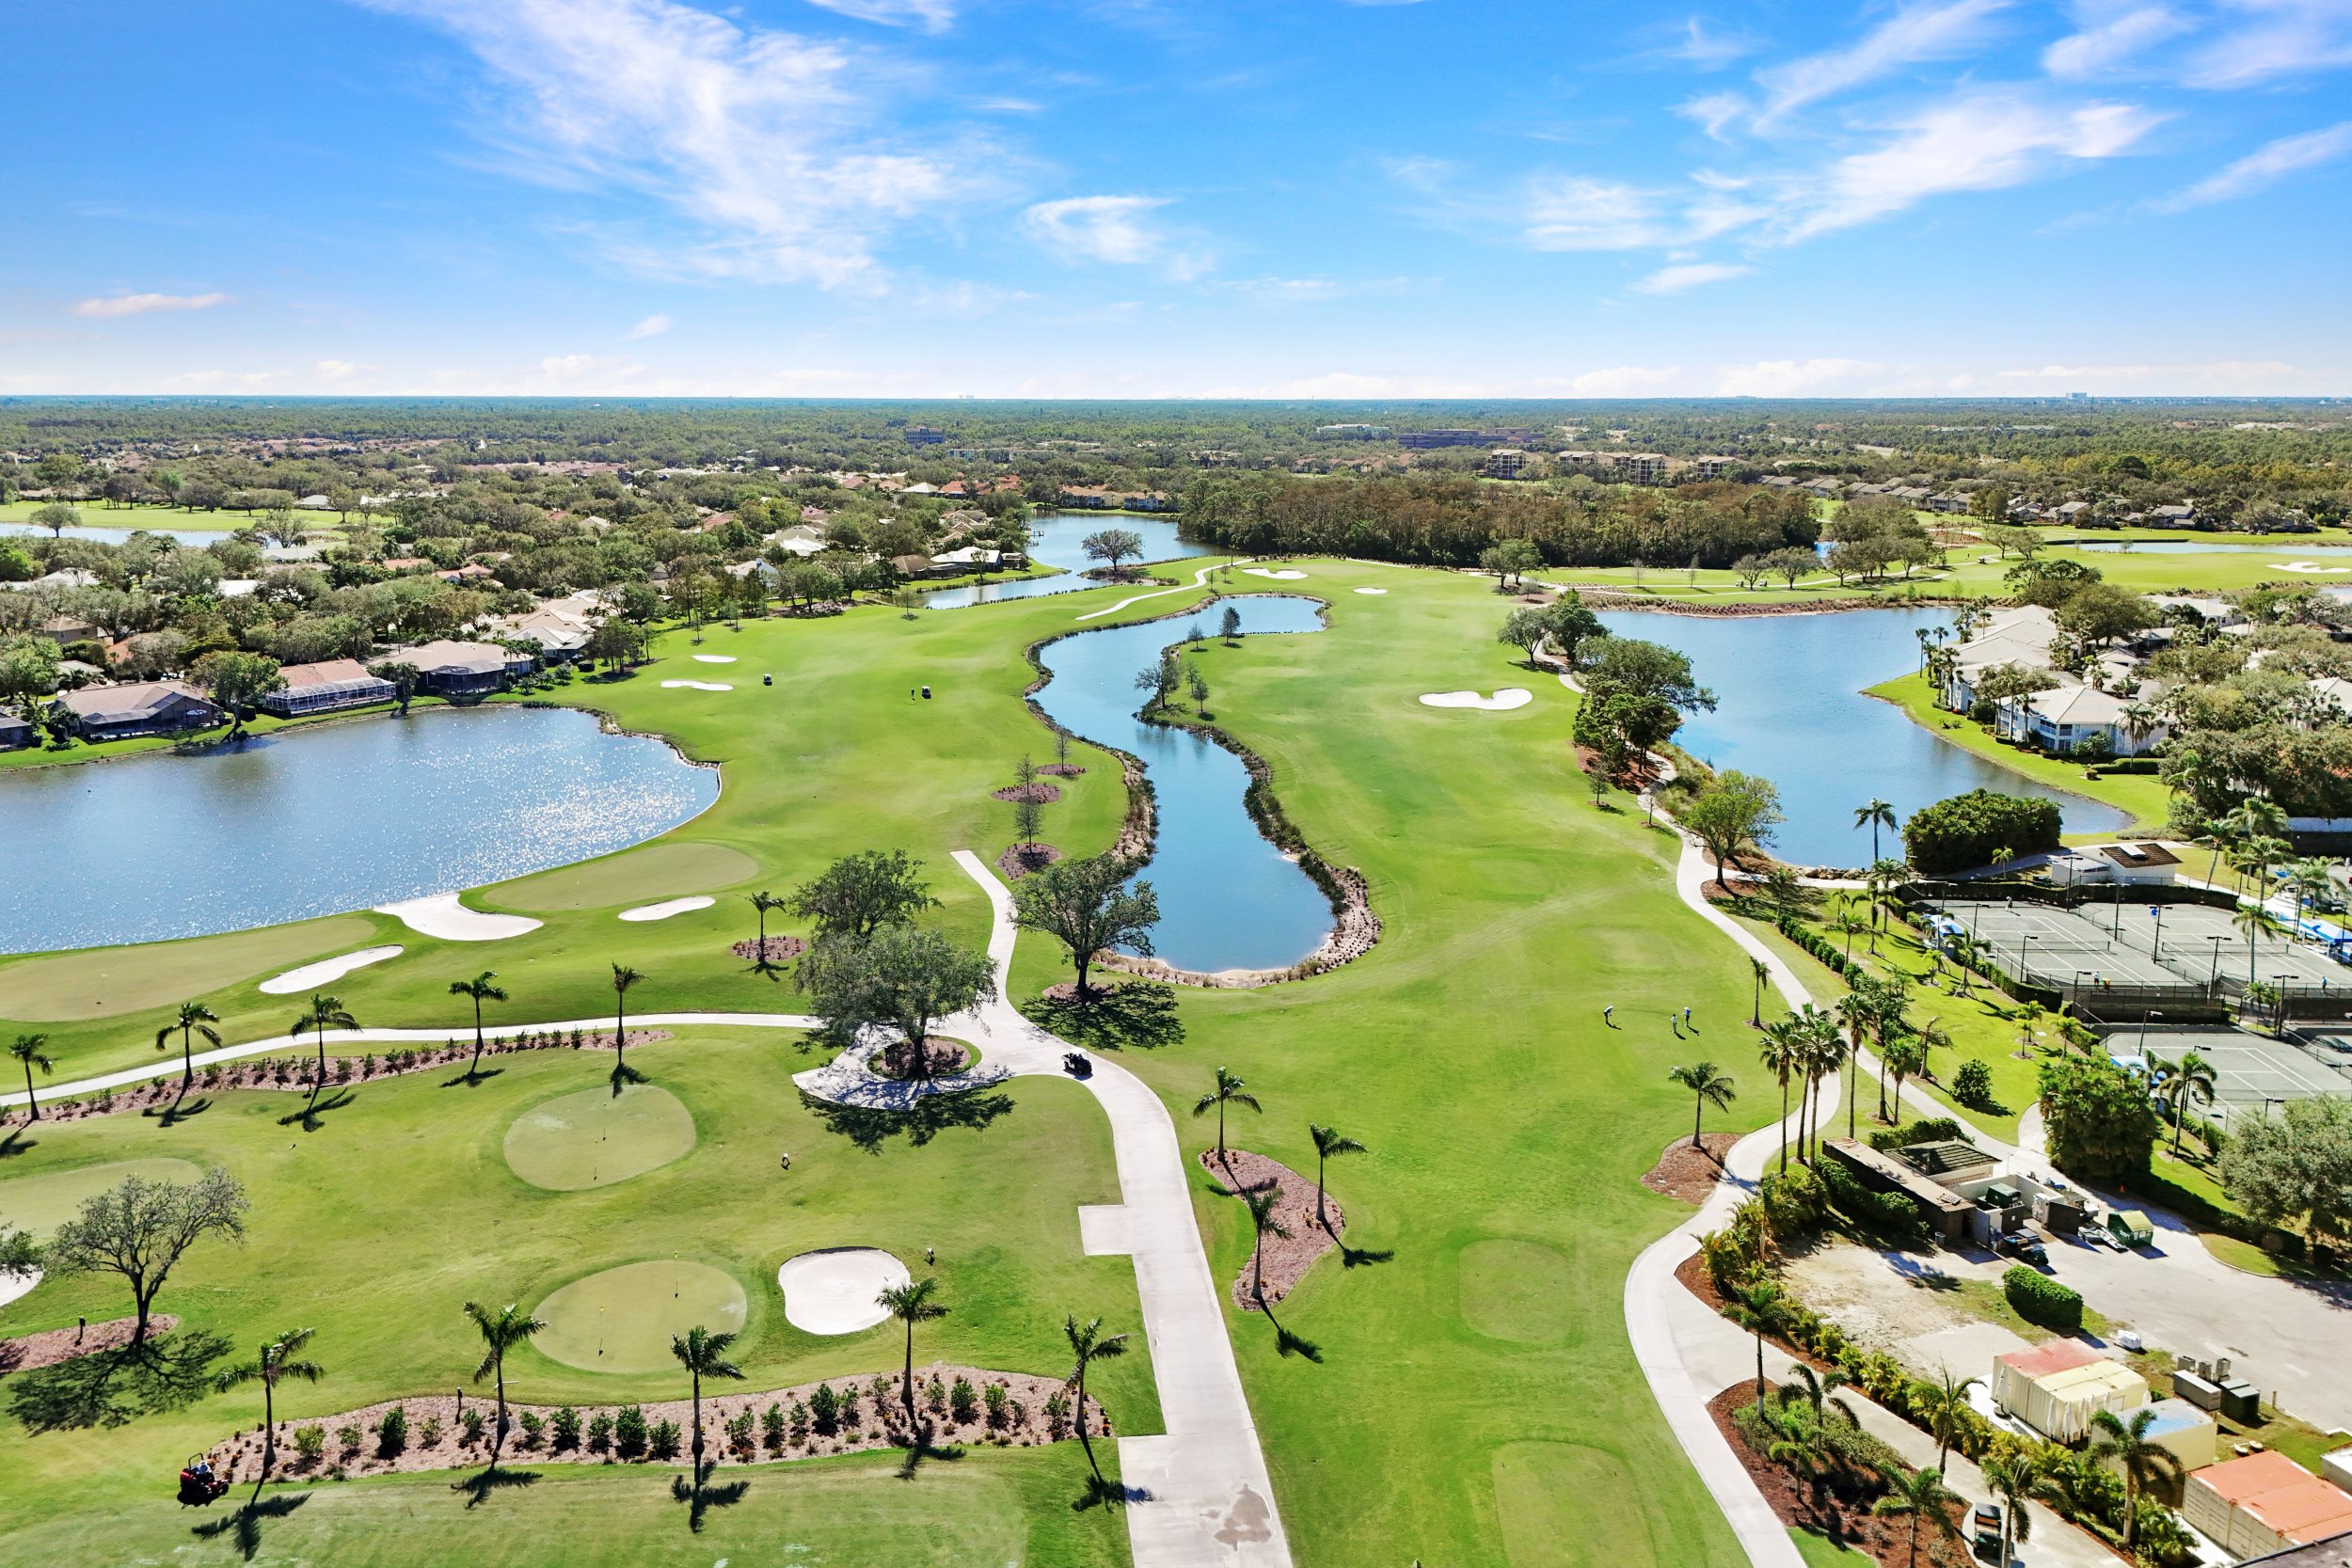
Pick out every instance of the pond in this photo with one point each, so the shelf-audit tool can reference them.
(1790, 707)
(197, 536)
(1229, 899)
(1058, 539)
(311, 822)
(2199, 547)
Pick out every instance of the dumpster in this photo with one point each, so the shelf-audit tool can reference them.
(2130, 1228)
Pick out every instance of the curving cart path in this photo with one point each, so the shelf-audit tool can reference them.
(1199, 1493)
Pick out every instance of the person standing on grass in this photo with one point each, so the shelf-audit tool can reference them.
(1608, 1015)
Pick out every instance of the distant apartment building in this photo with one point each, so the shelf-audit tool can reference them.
(1712, 467)
(925, 435)
(1507, 462)
(1422, 440)
(1350, 432)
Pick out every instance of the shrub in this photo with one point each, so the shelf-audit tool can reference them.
(740, 1433)
(391, 1432)
(1056, 1413)
(534, 1427)
(962, 1400)
(432, 1435)
(2040, 1299)
(311, 1445)
(993, 1397)
(800, 1422)
(2101, 1127)
(824, 1408)
(1926, 1130)
(628, 1431)
(935, 1395)
(473, 1425)
(1814, 943)
(771, 1427)
(664, 1439)
(1890, 1212)
(1972, 1086)
(351, 1438)
(567, 1428)
(1964, 831)
(600, 1433)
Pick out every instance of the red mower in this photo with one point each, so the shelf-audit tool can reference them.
(199, 1487)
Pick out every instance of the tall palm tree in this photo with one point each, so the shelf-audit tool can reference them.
(194, 1019)
(703, 1354)
(1922, 1494)
(2013, 1480)
(1846, 923)
(2190, 1078)
(1759, 1307)
(1876, 814)
(1942, 1403)
(1903, 1057)
(1260, 1203)
(31, 1051)
(2124, 1441)
(911, 1303)
(2257, 921)
(1825, 1052)
(766, 903)
(274, 1361)
(1782, 1056)
(1328, 1145)
(1760, 971)
(325, 1012)
(1228, 1091)
(1090, 1344)
(481, 990)
(1856, 1011)
(1707, 1087)
(1819, 1390)
(502, 1331)
(623, 977)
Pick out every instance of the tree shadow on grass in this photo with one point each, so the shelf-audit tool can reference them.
(1143, 1016)
(180, 1111)
(623, 1076)
(1287, 1344)
(1102, 1491)
(472, 1077)
(108, 1388)
(244, 1527)
(1361, 1257)
(307, 1118)
(919, 1124)
(700, 1496)
(481, 1484)
(17, 1143)
(923, 1448)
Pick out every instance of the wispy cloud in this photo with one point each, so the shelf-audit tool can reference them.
(340, 371)
(1916, 33)
(769, 142)
(932, 16)
(1116, 229)
(652, 326)
(2108, 41)
(1695, 43)
(2264, 39)
(111, 305)
(2264, 166)
(1781, 378)
(1689, 274)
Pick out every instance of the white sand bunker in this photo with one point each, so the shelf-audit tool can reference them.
(714, 659)
(669, 906)
(1371, 590)
(2311, 567)
(1509, 697)
(833, 1291)
(1261, 571)
(312, 976)
(444, 915)
(700, 686)
(15, 1285)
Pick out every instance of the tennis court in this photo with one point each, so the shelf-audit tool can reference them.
(2201, 942)
(2248, 1070)
(2124, 945)
(2065, 950)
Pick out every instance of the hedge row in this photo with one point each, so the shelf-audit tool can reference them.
(1817, 944)
(2040, 1299)
(1926, 1130)
(1889, 1212)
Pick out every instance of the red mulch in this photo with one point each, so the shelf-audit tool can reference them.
(59, 1345)
(780, 949)
(1068, 991)
(943, 1057)
(1287, 1258)
(1689, 1174)
(870, 1421)
(1887, 1540)
(1042, 792)
(1021, 859)
(1062, 770)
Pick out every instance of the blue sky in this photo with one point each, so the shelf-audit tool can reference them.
(1136, 197)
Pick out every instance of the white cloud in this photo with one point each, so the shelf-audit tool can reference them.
(1780, 378)
(2107, 42)
(768, 141)
(206, 381)
(652, 326)
(112, 305)
(2257, 377)
(932, 16)
(1574, 213)
(1715, 112)
(1695, 45)
(342, 370)
(2266, 166)
(1689, 274)
(1624, 381)
(2268, 39)
(1106, 228)
(1913, 34)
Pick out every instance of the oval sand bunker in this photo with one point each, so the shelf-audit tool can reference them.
(623, 1320)
(1502, 701)
(594, 1137)
(835, 1292)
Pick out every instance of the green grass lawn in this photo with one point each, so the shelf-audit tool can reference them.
(141, 514)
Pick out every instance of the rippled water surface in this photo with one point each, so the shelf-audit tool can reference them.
(1058, 539)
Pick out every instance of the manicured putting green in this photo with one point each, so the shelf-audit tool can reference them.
(623, 1318)
(1512, 1289)
(42, 1203)
(595, 1137)
(107, 982)
(633, 876)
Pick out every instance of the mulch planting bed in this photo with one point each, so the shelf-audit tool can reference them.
(1062, 770)
(1886, 1540)
(870, 1416)
(941, 1056)
(1689, 1174)
(780, 950)
(294, 1074)
(1068, 991)
(1021, 859)
(65, 1344)
(1042, 792)
(1287, 1258)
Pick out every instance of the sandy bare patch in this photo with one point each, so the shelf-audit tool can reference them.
(699, 686)
(1287, 1258)
(1501, 702)
(669, 906)
(310, 976)
(1280, 576)
(1371, 590)
(838, 1291)
(445, 915)
(1689, 1174)
(64, 1344)
(714, 659)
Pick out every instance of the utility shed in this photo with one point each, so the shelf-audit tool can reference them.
(2265, 1503)
(2054, 1388)
(1945, 1211)
(2187, 1431)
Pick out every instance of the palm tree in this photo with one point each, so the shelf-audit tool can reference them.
(1759, 1307)
(1261, 1203)
(2190, 1078)
(1903, 1057)
(502, 1331)
(1846, 923)
(195, 1018)
(623, 977)
(1708, 1087)
(1782, 1056)
(1856, 1011)
(2011, 1479)
(911, 1303)
(1825, 1052)
(325, 1012)
(703, 1354)
(1228, 1091)
(32, 1052)
(1760, 971)
(1874, 815)
(1941, 1404)
(1819, 1390)
(2124, 1441)
(479, 989)
(766, 903)
(276, 1360)
(1090, 1344)
(1921, 1493)
(1328, 1144)
(2257, 921)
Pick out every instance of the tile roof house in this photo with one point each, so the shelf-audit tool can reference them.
(326, 687)
(16, 734)
(138, 708)
(449, 668)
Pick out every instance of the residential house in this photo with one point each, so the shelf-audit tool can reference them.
(971, 558)
(2064, 718)
(1712, 467)
(62, 630)
(451, 669)
(138, 708)
(472, 571)
(2019, 635)
(15, 733)
(326, 687)
(2180, 515)
(2071, 512)
(1644, 467)
(799, 539)
(1945, 500)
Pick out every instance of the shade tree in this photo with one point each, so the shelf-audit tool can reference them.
(1090, 907)
(141, 1229)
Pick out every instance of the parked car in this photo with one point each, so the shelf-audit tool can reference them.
(2024, 1246)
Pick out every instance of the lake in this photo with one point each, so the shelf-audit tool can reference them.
(198, 536)
(2197, 546)
(1058, 539)
(1790, 707)
(1229, 899)
(311, 822)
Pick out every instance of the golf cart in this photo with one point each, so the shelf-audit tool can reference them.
(1984, 1532)
(199, 1487)
(1077, 1064)
(2024, 1246)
